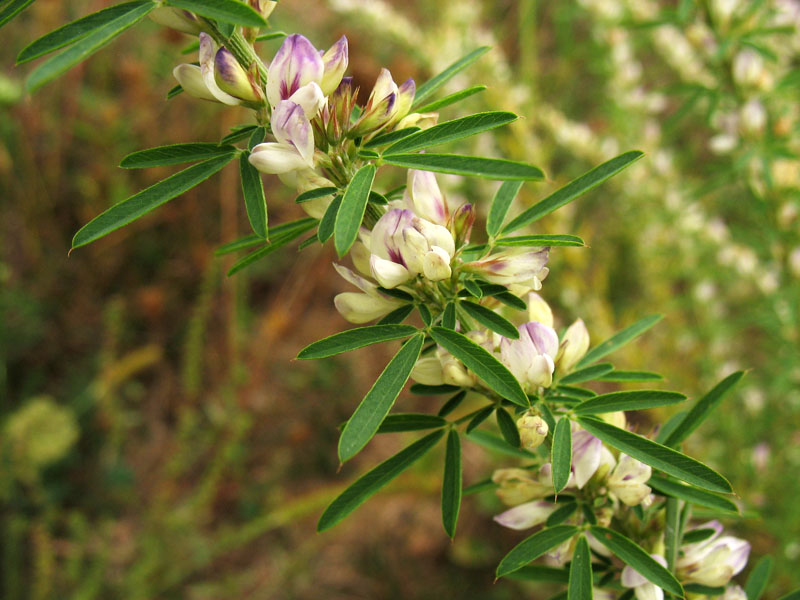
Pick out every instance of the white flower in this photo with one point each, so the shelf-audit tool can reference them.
(530, 358)
(642, 587)
(359, 307)
(573, 347)
(713, 561)
(526, 515)
(627, 480)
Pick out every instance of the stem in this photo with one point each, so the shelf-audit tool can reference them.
(243, 52)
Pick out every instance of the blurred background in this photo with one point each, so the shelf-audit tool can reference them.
(158, 441)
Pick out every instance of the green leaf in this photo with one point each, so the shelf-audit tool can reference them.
(498, 444)
(328, 221)
(238, 133)
(450, 131)
(473, 288)
(240, 244)
(429, 390)
(758, 579)
(628, 400)
(622, 376)
(276, 243)
(451, 99)
(351, 212)
(541, 240)
(72, 32)
(452, 403)
(489, 318)
(561, 514)
(475, 166)
(511, 300)
(693, 495)
(704, 590)
(449, 316)
(379, 400)
(619, 339)
(425, 314)
(314, 194)
(480, 416)
(671, 532)
(795, 595)
(174, 91)
(501, 202)
(482, 363)
(228, 11)
(410, 422)
(573, 189)
(82, 49)
(698, 535)
(12, 9)
(533, 547)
(175, 154)
(508, 428)
(588, 374)
(657, 456)
(272, 35)
(355, 338)
(481, 486)
(451, 484)
(580, 572)
(632, 554)
(392, 136)
(702, 409)
(433, 84)
(541, 573)
(397, 316)
(254, 200)
(148, 199)
(366, 485)
(561, 454)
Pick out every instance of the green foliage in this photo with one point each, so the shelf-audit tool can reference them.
(533, 547)
(451, 484)
(580, 572)
(228, 11)
(355, 338)
(351, 211)
(561, 454)
(450, 131)
(429, 87)
(630, 400)
(473, 166)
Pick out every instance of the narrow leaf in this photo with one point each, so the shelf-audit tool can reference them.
(397, 316)
(449, 316)
(511, 300)
(541, 573)
(588, 374)
(698, 535)
(429, 390)
(540, 240)
(355, 338)
(314, 194)
(148, 199)
(379, 400)
(433, 84)
(698, 413)
(450, 131)
(480, 416)
(632, 554)
(175, 154)
(628, 400)
(229, 11)
(561, 514)
(388, 138)
(622, 376)
(561, 454)
(657, 456)
(693, 495)
(758, 579)
(328, 221)
(452, 403)
(501, 202)
(580, 572)
(82, 49)
(482, 363)
(508, 428)
(619, 339)
(371, 482)
(490, 168)
(451, 99)
(671, 532)
(351, 212)
(276, 243)
(498, 444)
(572, 190)
(492, 320)
(451, 484)
(240, 244)
(238, 133)
(12, 9)
(254, 200)
(410, 422)
(533, 547)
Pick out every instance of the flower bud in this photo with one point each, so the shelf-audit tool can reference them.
(405, 98)
(263, 7)
(516, 486)
(461, 224)
(526, 515)
(573, 346)
(233, 79)
(748, 69)
(360, 308)
(530, 358)
(532, 430)
(539, 310)
(617, 419)
(713, 561)
(428, 371)
(513, 267)
(587, 454)
(381, 106)
(734, 592)
(296, 64)
(335, 64)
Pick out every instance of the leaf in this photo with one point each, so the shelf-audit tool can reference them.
(276, 243)
(702, 409)
(482, 363)
(533, 547)
(580, 572)
(490, 168)
(449, 316)
(425, 314)
(561, 514)
(672, 529)
(540, 240)
(450, 131)
(451, 99)
(175, 154)
(148, 199)
(588, 374)
(410, 422)
(72, 32)
(561, 454)
(254, 200)
(272, 35)
(541, 573)
(573, 189)
(12, 9)
(433, 84)
(795, 595)
(428, 390)
(481, 486)
(392, 136)
(698, 535)
(328, 221)
(473, 288)
(628, 400)
(511, 300)
(508, 428)
(758, 579)
(379, 400)
(178, 89)
(452, 403)
(82, 49)
(240, 244)
(657, 456)
(498, 444)
(619, 339)
(314, 194)
(351, 212)
(451, 484)
(238, 133)
(366, 485)
(228, 11)
(489, 318)
(480, 416)
(704, 590)
(632, 554)
(668, 487)
(501, 202)
(355, 338)
(631, 376)
(397, 316)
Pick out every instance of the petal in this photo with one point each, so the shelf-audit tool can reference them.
(424, 197)
(191, 80)
(231, 78)
(362, 308)
(291, 126)
(365, 285)
(539, 310)
(586, 456)
(526, 515)
(276, 158)
(437, 235)
(208, 51)
(310, 98)
(296, 64)
(428, 371)
(335, 64)
(389, 274)
(436, 266)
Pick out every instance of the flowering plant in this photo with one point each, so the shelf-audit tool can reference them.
(615, 505)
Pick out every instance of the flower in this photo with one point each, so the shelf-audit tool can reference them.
(627, 480)
(539, 310)
(530, 358)
(527, 515)
(642, 587)
(532, 430)
(573, 346)
(713, 561)
(232, 79)
(513, 267)
(358, 307)
(587, 455)
(424, 198)
(200, 82)
(516, 486)
(295, 146)
(387, 104)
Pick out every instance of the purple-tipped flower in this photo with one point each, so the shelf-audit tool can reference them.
(263, 7)
(461, 223)
(530, 358)
(424, 197)
(713, 561)
(335, 64)
(294, 149)
(573, 347)
(200, 82)
(405, 98)
(233, 79)
(517, 267)
(628, 480)
(296, 65)
(587, 454)
(381, 106)
(364, 306)
(526, 515)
